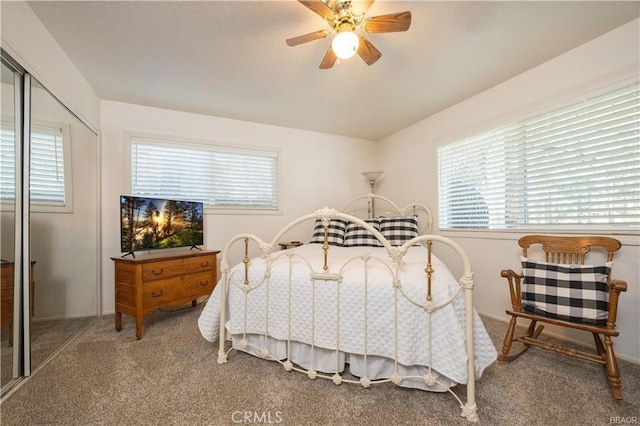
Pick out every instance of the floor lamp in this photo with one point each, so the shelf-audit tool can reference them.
(372, 177)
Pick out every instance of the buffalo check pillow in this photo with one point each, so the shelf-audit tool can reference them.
(576, 293)
(399, 230)
(335, 235)
(356, 235)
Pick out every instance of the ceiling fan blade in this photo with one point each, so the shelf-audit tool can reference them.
(307, 37)
(329, 59)
(393, 22)
(320, 8)
(368, 51)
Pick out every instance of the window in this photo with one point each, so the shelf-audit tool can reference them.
(219, 176)
(47, 174)
(577, 166)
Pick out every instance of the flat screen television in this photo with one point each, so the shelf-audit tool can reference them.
(155, 223)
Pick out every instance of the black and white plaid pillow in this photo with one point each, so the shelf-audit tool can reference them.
(356, 235)
(575, 293)
(399, 230)
(335, 235)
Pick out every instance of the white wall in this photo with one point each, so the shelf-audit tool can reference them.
(409, 158)
(317, 170)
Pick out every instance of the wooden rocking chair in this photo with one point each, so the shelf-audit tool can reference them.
(538, 295)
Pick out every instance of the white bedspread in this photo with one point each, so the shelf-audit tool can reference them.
(446, 354)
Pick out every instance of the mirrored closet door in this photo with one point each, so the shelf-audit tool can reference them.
(63, 184)
(9, 139)
(59, 235)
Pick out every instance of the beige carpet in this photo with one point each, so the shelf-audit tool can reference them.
(46, 338)
(171, 377)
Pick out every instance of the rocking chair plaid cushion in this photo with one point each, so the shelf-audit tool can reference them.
(577, 293)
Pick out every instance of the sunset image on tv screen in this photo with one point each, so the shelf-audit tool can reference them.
(152, 223)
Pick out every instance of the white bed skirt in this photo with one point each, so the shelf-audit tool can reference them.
(378, 368)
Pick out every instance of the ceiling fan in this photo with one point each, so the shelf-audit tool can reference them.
(345, 22)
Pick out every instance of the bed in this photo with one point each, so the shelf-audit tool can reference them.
(365, 300)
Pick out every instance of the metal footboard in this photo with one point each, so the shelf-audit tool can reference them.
(329, 275)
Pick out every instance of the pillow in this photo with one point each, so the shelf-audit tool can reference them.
(356, 235)
(576, 293)
(399, 230)
(335, 236)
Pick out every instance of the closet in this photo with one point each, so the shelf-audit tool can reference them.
(49, 229)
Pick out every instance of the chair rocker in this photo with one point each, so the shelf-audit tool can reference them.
(544, 292)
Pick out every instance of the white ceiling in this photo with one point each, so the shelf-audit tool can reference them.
(229, 58)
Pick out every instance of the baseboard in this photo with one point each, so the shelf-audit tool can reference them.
(63, 317)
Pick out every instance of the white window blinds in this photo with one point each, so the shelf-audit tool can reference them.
(215, 175)
(46, 178)
(7, 162)
(47, 173)
(574, 167)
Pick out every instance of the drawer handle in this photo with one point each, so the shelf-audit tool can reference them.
(156, 293)
(204, 264)
(204, 283)
(154, 272)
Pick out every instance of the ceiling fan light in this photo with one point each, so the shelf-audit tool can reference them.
(345, 44)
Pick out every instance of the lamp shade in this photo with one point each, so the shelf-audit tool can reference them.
(345, 44)
(372, 176)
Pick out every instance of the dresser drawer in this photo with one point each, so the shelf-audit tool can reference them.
(6, 290)
(161, 270)
(177, 290)
(7, 275)
(6, 311)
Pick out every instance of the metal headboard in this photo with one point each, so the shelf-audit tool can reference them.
(378, 205)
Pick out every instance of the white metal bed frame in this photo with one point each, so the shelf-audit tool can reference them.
(395, 253)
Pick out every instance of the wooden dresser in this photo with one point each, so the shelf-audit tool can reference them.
(146, 283)
(6, 290)
(6, 293)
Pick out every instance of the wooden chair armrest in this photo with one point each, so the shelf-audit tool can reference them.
(514, 280)
(510, 273)
(617, 285)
